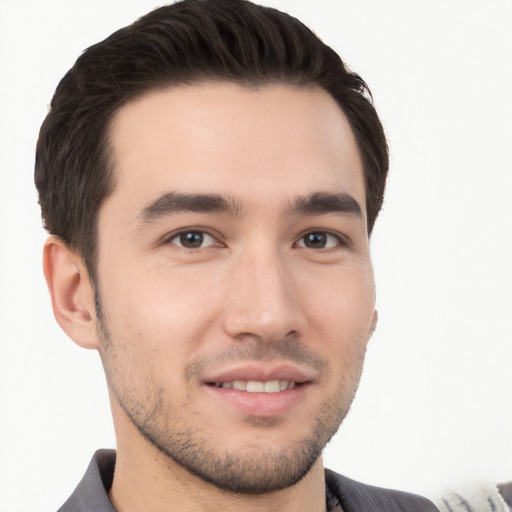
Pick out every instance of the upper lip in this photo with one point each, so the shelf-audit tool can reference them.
(262, 373)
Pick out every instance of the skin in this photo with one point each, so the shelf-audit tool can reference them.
(254, 296)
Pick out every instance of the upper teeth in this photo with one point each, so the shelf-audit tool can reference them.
(254, 386)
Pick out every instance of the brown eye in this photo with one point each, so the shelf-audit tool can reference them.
(319, 240)
(193, 239)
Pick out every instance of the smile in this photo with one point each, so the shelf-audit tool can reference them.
(254, 386)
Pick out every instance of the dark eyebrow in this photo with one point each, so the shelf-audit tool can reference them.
(175, 202)
(320, 203)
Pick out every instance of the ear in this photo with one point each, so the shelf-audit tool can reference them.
(71, 293)
(375, 319)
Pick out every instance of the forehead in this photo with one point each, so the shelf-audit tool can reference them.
(259, 145)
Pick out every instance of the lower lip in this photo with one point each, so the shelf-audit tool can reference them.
(261, 405)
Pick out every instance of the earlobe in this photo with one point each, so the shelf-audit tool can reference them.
(71, 292)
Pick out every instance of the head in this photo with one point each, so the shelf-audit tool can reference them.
(211, 175)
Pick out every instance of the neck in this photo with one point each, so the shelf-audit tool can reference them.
(146, 479)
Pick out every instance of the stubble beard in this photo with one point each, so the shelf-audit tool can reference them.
(263, 470)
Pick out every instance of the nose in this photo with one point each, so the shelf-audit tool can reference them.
(263, 300)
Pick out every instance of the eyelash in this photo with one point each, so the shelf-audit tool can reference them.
(341, 241)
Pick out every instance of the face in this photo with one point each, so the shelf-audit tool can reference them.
(234, 277)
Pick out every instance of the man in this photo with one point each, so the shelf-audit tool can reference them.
(210, 176)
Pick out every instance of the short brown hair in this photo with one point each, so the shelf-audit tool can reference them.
(190, 41)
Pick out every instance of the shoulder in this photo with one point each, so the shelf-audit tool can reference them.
(91, 494)
(355, 497)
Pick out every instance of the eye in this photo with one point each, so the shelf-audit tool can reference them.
(193, 239)
(319, 240)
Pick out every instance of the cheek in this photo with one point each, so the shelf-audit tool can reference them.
(341, 319)
(343, 301)
(159, 314)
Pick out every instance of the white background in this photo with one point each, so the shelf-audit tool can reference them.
(435, 404)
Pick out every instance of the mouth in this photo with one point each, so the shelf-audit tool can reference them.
(259, 398)
(255, 386)
(261, 390)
